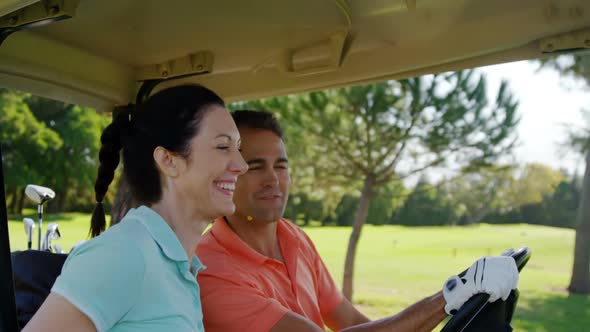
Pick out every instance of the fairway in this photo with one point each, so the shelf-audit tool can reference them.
(396, 266)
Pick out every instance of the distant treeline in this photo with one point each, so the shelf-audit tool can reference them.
(534, 193)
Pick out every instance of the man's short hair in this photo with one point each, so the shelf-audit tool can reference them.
(257, 120)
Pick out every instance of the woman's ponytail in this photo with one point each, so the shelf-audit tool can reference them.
(109, 156)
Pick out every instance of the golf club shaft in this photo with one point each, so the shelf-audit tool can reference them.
(40, 216)
(29, 231)
(47, 241)
(29, 227)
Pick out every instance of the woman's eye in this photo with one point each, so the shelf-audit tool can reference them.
(223, 147)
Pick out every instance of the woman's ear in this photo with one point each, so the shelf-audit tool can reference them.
(168, 162)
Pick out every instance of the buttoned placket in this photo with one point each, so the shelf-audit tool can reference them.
(183, 269)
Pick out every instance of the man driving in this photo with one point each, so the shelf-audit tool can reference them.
(264, 273)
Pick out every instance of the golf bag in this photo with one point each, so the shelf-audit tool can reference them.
(34, 274)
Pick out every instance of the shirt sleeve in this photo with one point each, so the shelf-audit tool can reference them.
(230, 305)
(103, 280)
(329, 295)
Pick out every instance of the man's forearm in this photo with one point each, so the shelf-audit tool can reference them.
(424, 315)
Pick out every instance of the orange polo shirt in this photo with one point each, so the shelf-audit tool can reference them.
(242, 290)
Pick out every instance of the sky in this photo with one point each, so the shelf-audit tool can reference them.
(548, 105)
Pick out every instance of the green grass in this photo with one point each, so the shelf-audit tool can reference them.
(396, 266)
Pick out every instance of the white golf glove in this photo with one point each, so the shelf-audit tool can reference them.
(495, 275)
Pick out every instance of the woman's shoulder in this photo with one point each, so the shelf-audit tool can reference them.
(108, 259)
(116, 244)
(123, 244)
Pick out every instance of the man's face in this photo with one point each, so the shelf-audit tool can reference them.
(262, 192)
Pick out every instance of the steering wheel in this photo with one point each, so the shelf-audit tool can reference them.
(479, 315)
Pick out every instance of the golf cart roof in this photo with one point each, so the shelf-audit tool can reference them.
(251, 49)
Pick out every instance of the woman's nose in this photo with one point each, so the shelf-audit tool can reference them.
(238, 164)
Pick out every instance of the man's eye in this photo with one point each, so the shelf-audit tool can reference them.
(223, 147)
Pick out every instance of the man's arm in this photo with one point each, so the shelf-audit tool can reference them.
(496, 276)
(345, 315)
(421, 316)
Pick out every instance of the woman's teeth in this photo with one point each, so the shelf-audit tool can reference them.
(227, 186)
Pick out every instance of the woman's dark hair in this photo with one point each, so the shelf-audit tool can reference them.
(170, 119)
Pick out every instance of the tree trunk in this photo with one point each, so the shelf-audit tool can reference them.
(13, 195)
(60, 204)
(21, 204)
(361, 216)
(14, 203)
(9, 198)
(580, 283)
(295, 213)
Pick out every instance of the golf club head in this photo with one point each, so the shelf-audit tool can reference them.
(29, 226)
(39, 194)
(29, 229)
(508, 252)
(52, 233)
(57, 249)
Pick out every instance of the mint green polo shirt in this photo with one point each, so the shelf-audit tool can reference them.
(134, 277)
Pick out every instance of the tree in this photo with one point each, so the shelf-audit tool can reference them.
(27, 143)
(531, 193)
(388, 198)
(580, 282)
(561, 206)
(578, 65)
(302, 204)
(475, 195)
(425, 206)
(345, 210)
(73, 167)
(534, 182)
(382, 206)
(365, 137)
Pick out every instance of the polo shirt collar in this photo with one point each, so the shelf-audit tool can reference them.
(163, 235)
(196, 265)
(233, 243)
(236, 246)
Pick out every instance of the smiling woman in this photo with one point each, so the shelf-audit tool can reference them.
(181, 158)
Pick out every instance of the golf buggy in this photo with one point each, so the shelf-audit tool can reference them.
(108, 54)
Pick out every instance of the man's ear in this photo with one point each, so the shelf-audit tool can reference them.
(168, 162)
